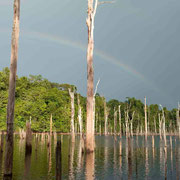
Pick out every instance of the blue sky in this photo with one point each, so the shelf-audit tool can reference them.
(136, 46)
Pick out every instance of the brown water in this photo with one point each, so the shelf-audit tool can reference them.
(131, 158)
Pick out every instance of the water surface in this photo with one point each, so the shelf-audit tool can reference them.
(114, 158)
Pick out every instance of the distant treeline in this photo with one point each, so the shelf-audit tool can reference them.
(37, 98)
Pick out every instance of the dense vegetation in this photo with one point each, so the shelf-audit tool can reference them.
(37, 98)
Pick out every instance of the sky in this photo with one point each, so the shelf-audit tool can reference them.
(136, 46)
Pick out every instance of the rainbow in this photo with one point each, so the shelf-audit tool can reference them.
(80, 46)
(104, 56)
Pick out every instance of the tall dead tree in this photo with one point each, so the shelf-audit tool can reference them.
(71, 93)
(178, 119)
(8, 163)
(51, 126)
(79, 115)
(94, 105)
(160, 126)
(145, 114)
(92, 7)
(164, 126)
(119, 109)
(155, 130)
(106, 113)
(115, 121)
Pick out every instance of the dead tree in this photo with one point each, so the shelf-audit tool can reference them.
(145, 114)
(106, 113)
(115, 121)
(79, 116)
(178, 119)
(94, 104)
(131, 123)
(155, 130)
(8, 163)
(50, 132)
(119, 109)
(51, 126)
(164, 126)
(71, 93)
(92, 7)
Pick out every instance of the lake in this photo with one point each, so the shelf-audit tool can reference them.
(114, 158)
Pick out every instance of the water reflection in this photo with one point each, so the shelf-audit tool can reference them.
(124, 158)
(90, 166)
(58, 161)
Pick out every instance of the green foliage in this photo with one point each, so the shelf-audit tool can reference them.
(37, 98)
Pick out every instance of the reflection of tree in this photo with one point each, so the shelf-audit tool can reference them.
(27, 164)
(49, 156)
(89, 166)
(177, 163)
(1, 162)
(58, 161)
(129, 159)
(71, 157)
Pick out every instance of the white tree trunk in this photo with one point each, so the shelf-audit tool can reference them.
(71, 93)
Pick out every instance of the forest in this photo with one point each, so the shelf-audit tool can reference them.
(37, 98)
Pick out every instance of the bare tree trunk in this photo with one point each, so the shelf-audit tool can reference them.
(105, 118)
(71, 93)
(164, 127)
(155, 130)
(90, 79)
(79, 116)
(8, 164)
(131, 123)
(94, 105)
(145, 112)
(126, 122)
(178, 119)
(115, 121)
(51, 126)
(160, 125)
(119, 108)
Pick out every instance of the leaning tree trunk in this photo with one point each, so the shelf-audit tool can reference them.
(71, 93)
(8, 164)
